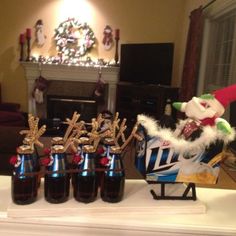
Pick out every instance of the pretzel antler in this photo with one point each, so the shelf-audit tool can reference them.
(79, 130)
(69, 136)
(120, 133)
(71, 124)
(116, 132)
(132, 135)
(100, 119)
(115, 125)
(94, 136)
(33, 134)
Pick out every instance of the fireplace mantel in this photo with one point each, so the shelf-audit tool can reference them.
(70, 73)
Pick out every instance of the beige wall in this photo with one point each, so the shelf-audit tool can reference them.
(138, 21)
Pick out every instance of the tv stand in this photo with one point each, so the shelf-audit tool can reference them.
(134, 99)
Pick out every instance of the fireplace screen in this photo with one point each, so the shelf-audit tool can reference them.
(62, 107)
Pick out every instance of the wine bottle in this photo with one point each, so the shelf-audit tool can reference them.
(24, 181)
(57, 181)
(113, 183)
(85, 182)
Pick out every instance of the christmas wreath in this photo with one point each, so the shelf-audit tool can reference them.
(73, 39)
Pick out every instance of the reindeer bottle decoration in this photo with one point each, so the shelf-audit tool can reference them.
(56, 183)
(113, 183)
(57, 179)
(77, 148)
(25, 178)
(86, 182)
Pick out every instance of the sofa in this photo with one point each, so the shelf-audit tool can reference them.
(10, 139)
(10, 114)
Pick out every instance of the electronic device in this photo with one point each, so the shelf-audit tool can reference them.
(147, 63)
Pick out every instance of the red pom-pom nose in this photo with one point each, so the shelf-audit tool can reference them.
(46, 151)
(100, 150)
(76, 159)
(13, 160)
(104, 161)
(45, 161)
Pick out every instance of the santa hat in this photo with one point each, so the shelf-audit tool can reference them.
(226, 95)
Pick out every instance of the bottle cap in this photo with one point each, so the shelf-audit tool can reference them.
(25, 149)
(115, 150)
(83, 140)
(89, 149)
(58, 149)
(57, 140)
(109, 141)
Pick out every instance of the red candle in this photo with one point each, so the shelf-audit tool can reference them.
(117, 33)
(22, 38)
(28, 33)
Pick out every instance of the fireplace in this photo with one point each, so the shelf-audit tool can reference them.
(62, 107)
(74, 83)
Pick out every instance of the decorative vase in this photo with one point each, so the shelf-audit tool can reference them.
(57, 181)
(113, 182)
(85, 182)
(24, 182)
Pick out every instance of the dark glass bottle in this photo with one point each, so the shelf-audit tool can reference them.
(57, 181)
(113, 183)
(24, 183)
(103, 157)
(76, 163)
(37, 167)
(85, 182)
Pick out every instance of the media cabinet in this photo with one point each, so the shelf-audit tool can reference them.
(134, 99)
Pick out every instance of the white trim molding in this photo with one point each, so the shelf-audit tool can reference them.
(70, 73)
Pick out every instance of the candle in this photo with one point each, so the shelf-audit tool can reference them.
(22, 38)
(117, 33)
(28, 33)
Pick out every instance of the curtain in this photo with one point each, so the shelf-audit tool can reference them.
(192, 55)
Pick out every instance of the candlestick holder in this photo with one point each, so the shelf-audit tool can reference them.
(116, 50)
(21, 51)
(28, 49)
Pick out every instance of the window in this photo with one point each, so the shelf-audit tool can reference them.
(218, 54)
(221, 52)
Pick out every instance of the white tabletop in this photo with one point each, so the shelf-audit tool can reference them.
(138, 214)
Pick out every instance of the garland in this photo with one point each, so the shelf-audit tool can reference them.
(73, 39)
(209, 136)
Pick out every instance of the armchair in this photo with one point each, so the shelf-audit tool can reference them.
(10, 114)
(10, 139)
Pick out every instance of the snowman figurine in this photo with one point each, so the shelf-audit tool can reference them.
(40, 36)
(107, 38)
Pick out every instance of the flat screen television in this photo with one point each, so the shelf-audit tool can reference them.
(147, 63)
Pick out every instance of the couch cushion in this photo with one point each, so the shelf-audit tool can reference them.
(11, 118)
(9, 106)
(10, 139)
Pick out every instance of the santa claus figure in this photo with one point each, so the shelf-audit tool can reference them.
(206, 110)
